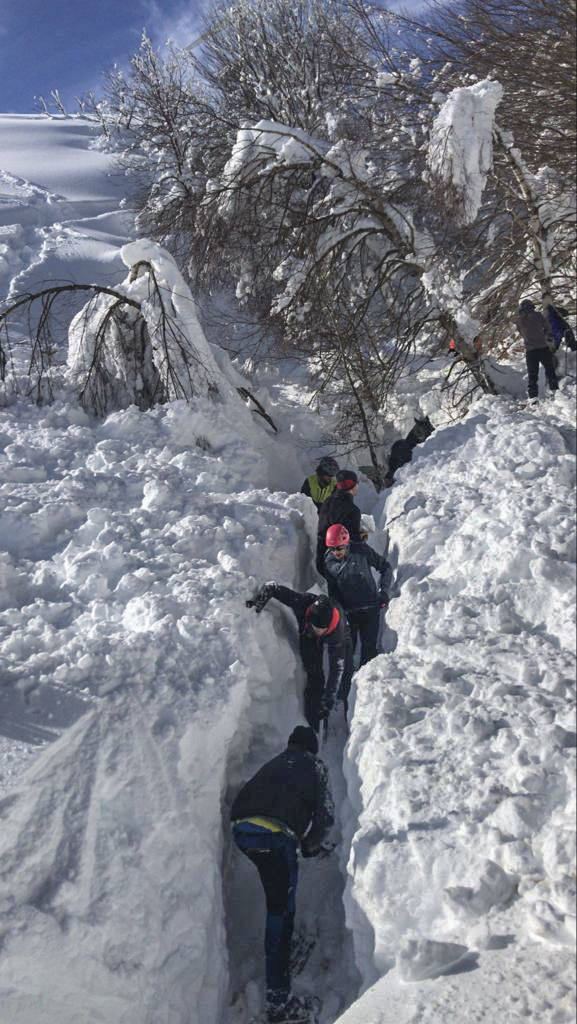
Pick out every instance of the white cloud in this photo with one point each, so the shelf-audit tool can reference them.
(181, 25)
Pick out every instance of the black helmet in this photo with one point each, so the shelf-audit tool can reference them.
(327, 466)
(526, 306)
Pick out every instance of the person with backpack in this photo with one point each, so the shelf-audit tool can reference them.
(322, 625)
(320, 485)
(539, 348)
(286, 807)
(340, 508)
(349, 573)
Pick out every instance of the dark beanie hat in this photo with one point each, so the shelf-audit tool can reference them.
(328, 466)
(320, 613)
(305, 737)
(346, 479)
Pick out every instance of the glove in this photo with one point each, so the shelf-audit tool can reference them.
(262, 596)
(384, 599)
(310, 851)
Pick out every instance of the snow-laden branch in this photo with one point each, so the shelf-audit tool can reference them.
(460, 152)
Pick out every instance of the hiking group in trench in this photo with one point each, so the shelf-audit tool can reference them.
(287, 807)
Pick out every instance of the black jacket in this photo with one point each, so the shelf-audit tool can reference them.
(339, 508)
(338, 642)
(293, 788)
(351, 580)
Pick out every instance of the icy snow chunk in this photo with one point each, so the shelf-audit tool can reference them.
(156, 495)
(516, 816)
(425, 958)
(494, 888)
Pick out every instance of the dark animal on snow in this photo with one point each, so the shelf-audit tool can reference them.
(402, 451)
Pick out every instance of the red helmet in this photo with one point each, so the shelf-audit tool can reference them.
(337, 536)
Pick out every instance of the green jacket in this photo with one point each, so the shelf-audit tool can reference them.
(312, 489)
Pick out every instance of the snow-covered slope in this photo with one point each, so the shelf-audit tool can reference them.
(137, 691)
(60, 214)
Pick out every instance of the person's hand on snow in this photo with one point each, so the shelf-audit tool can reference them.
(262, 596)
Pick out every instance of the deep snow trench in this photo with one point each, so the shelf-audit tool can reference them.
(330, 971)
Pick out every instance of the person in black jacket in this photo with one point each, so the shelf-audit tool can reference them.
(348, 570)
(322, 624)
(286, 805)
(402, 450)
(340, 508)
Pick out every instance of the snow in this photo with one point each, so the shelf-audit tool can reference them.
(461, 759)
(137, 692)
(461, 144)
(60, 215)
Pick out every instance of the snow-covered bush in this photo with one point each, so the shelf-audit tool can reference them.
(144, 347)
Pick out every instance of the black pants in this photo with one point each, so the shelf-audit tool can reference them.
(274, 855)
(365, 623)
(312, 657)
(535, 357)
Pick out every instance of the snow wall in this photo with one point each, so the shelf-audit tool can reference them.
(460, 825)
(128, 548)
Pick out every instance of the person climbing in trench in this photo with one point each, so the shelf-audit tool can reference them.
(322, 625)
(320, 485)
(286, 805)
(340, 508)
(349, 574)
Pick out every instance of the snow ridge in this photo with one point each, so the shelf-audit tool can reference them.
(461, 760)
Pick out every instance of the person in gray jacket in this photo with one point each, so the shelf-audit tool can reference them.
(539, 348)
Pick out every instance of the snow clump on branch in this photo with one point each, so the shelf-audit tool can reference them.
(461, 142)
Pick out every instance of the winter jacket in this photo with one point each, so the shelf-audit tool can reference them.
(313, 489)
(534, 328)
(351, 579)
(293, 790)
(337, 642)
(560, 329)
(402, 450)
(339, 508)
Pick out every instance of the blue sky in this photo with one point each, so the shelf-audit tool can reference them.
(67, 44)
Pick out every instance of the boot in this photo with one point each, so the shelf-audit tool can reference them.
(297, 1010)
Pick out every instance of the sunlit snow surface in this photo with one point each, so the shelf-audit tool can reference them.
(127, 548)
(461, 761)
